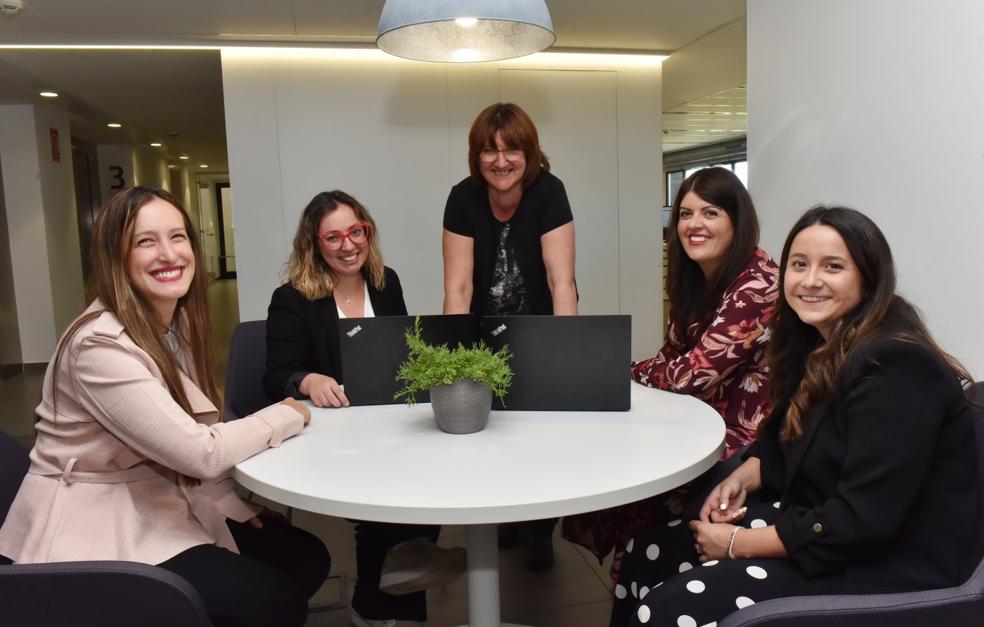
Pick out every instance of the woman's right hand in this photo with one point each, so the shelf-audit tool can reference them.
(299, 407)
(323, 391)
(725, 503)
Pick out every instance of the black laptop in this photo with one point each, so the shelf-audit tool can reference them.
(372, 350)
(574, 363)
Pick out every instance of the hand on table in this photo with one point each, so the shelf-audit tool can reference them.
(257, 521)
(323, 391)
(299, 407)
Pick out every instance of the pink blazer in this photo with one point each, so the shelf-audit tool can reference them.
(121, 471)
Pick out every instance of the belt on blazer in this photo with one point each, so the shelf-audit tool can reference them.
(69, 475)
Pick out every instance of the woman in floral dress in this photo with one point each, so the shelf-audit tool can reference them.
(723, 290)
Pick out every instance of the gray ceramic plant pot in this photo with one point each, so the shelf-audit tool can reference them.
(462, 407)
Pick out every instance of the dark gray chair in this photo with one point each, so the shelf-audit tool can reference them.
(87, 594)
(962, 605)
(244, 375)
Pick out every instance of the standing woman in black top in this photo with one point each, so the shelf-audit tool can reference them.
(509, 247)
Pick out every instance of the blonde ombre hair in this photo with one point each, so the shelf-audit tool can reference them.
(307, 270)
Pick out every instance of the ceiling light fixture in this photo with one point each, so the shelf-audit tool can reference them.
(49, 94)
(155, 144)
(185, 157)
(464, 30)
(114, 125)
(203, 165)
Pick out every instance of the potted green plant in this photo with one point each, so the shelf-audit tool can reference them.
(461, 380)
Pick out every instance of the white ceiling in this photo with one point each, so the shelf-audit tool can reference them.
(157, 93)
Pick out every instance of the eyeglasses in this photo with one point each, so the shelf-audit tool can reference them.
(357, 234)
(489, 155)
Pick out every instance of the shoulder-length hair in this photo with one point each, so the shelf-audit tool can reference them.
(307, 270)
(517, 132)
(694, 298)
(110, 282)
(807, 370)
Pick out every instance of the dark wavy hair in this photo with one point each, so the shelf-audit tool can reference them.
(518, 132)
(808, 370)
(692, 297)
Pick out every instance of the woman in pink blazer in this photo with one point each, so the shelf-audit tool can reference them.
(132, 460)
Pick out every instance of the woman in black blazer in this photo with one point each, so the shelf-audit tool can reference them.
(868, 463)
(336, 270)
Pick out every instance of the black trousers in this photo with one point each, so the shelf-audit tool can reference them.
(372, 541)
(662, 582)
(278, 569)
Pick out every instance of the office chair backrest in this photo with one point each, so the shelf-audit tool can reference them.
(14, 466)
(244, 375)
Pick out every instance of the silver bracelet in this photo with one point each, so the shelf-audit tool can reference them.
(731, 542)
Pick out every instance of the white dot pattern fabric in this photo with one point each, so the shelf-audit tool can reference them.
(685, 566)
(710, 563)
(674, 523)
(686, 621)
(652, 552)
(758, 523)
(696, 586)
(628, 547)
(742, 602)
(644, 614)
(757, 572)
(620, 591)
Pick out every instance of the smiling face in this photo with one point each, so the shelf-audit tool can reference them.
(705, 232)
(349, 258)
(822, 284)
(502, 166)
(161, 262)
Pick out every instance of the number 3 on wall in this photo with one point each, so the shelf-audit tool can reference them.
(118, 181)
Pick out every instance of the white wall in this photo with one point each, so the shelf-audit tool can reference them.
(26, 225)
(150, 168)
(61, 221)
(877, 105)
(394, 134)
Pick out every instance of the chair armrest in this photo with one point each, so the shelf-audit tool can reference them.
(948, 606)
(103, 594)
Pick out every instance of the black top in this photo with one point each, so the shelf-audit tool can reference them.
(883, 484)
(302, 334)
(543, 208)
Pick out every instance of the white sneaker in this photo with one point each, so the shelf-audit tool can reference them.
(358, 621)
(419, 564)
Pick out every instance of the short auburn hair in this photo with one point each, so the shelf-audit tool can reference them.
(518, 133)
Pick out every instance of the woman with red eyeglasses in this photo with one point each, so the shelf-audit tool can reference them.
(336, 271)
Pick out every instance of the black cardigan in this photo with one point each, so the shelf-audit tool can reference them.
(883, 484)
(302, 335)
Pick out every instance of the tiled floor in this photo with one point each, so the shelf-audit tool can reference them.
(574, 593)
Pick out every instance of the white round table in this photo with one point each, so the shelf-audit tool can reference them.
(391, 463)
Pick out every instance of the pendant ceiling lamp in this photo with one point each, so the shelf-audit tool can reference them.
(460, 31)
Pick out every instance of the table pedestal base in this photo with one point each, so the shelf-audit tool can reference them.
(483, 577)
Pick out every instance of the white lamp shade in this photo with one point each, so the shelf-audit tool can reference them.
(440, 30)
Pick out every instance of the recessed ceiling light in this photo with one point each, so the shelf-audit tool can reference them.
(114, 125)
(185, 157)
(203, 165)
(155, 144)
(49, 94)
(171, 166)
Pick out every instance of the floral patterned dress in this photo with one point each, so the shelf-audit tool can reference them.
(722, 363)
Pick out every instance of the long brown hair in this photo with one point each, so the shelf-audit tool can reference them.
(692, 297)
(517, 131)
(307, 270)
(110, 282)
(807, 370)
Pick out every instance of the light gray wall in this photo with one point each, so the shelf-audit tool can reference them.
(394, 134)
(711, 64)
(877, 105)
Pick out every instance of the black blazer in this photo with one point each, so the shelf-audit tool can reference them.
(882, 487)
(302, 335)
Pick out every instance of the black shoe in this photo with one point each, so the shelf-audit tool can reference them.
(539, 553)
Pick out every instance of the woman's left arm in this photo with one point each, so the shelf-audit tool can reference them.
(558, 257)
(891, 415)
